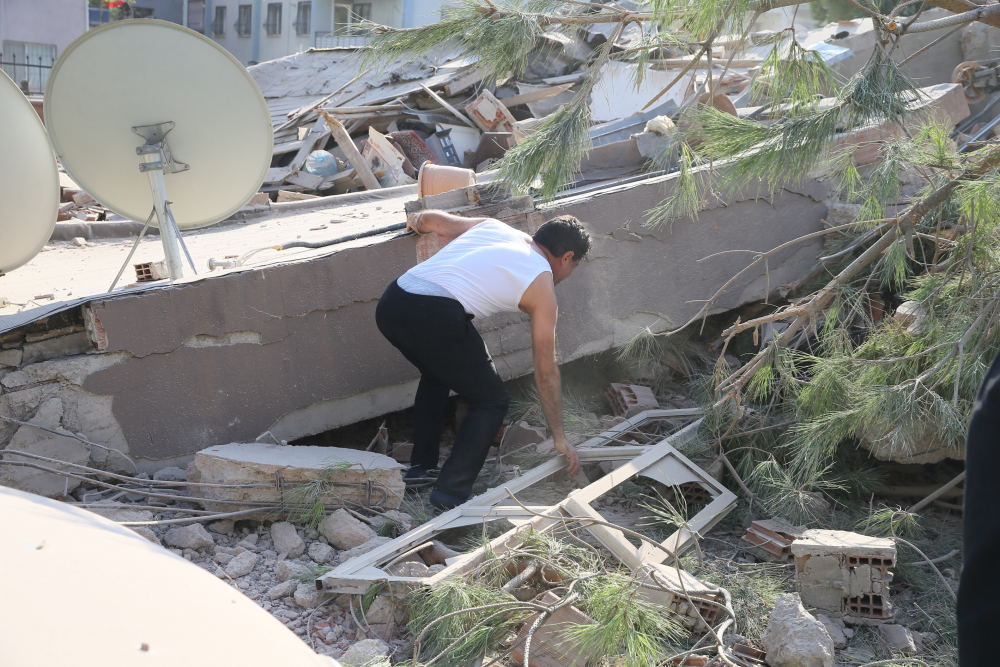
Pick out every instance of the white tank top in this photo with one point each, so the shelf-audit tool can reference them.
(486, 269)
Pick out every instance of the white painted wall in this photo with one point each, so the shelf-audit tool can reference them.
(427, 11)
(56, 22)
(259, 46)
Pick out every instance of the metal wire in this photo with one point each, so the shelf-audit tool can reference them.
(132, 251)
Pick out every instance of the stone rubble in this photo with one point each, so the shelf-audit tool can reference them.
(365, 653)
(255, 563)
(193, 536)
(901, 639)
(839, 632)
(343, 531)
(286, 541)
(795, 638)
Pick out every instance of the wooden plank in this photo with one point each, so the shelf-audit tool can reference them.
(318, 131)
(286, 195)
(453, 110)
(346, 144)
(464, 81)
(535, 95)
(287, 146)
(306, 180)
(294, 120)
(681, 63)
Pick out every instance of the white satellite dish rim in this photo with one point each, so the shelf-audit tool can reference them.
(78, 177)
(44, 148)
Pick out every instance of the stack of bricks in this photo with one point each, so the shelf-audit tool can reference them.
(629, 399)
(771, 539)
(662, 585)
(846, 574)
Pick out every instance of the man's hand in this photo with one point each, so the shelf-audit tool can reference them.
(442, 223)
(569, 451)
(413, 224)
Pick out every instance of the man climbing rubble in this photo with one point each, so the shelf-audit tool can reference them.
(486, 267)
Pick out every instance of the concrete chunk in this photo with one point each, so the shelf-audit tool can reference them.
(344, 531)
(900, 639)
(189, 537)
(43, 443)
(258, 463)
(365, 653)
(286, 540)
(287, 570)
(320, 552)
(242, 565)
(816, 542)
(794, 638)
(283, 590)
(836, 628)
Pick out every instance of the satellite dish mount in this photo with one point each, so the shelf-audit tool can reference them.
(157, 160)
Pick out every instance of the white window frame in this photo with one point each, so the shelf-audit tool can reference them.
(661, 462)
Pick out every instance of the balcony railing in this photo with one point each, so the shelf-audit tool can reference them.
(326, 40)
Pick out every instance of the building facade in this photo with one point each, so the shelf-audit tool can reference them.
(258, 30)
(33, 33)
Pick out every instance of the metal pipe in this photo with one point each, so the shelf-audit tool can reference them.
(171, 252)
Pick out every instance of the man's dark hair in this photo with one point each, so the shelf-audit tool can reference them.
(564, 234)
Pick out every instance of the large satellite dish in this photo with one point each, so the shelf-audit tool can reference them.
(29, 181)
(152, 92)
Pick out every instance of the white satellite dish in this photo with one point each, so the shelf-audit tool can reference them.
(29, 180)
(148, 115)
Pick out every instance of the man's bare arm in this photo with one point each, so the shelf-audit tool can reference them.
(441, 223)
(539, 301)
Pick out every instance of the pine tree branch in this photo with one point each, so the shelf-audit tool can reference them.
(734, 384)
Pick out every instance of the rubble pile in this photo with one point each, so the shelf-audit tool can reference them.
(354, 583)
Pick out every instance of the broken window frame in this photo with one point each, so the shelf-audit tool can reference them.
(654, 461)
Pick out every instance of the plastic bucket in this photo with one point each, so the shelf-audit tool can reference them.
(434, 179)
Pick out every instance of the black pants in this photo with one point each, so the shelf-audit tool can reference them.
(979, 592)
(436, 335)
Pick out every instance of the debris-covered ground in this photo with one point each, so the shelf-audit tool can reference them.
(603, 611)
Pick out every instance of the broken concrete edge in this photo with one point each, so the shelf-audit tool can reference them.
(331, 475)
(356, 575)
(334, 201)
(510, 347)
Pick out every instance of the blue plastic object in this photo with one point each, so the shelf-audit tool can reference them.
(321, 163)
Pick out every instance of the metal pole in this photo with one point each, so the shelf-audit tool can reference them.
(171, 251)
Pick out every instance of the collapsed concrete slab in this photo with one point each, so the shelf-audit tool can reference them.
(336, 476)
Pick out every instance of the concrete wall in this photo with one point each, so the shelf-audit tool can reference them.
(56, 22)
(294, 349)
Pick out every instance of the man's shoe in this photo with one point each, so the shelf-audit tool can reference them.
(444, 501)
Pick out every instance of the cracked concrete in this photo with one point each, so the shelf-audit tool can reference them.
(293, 348)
